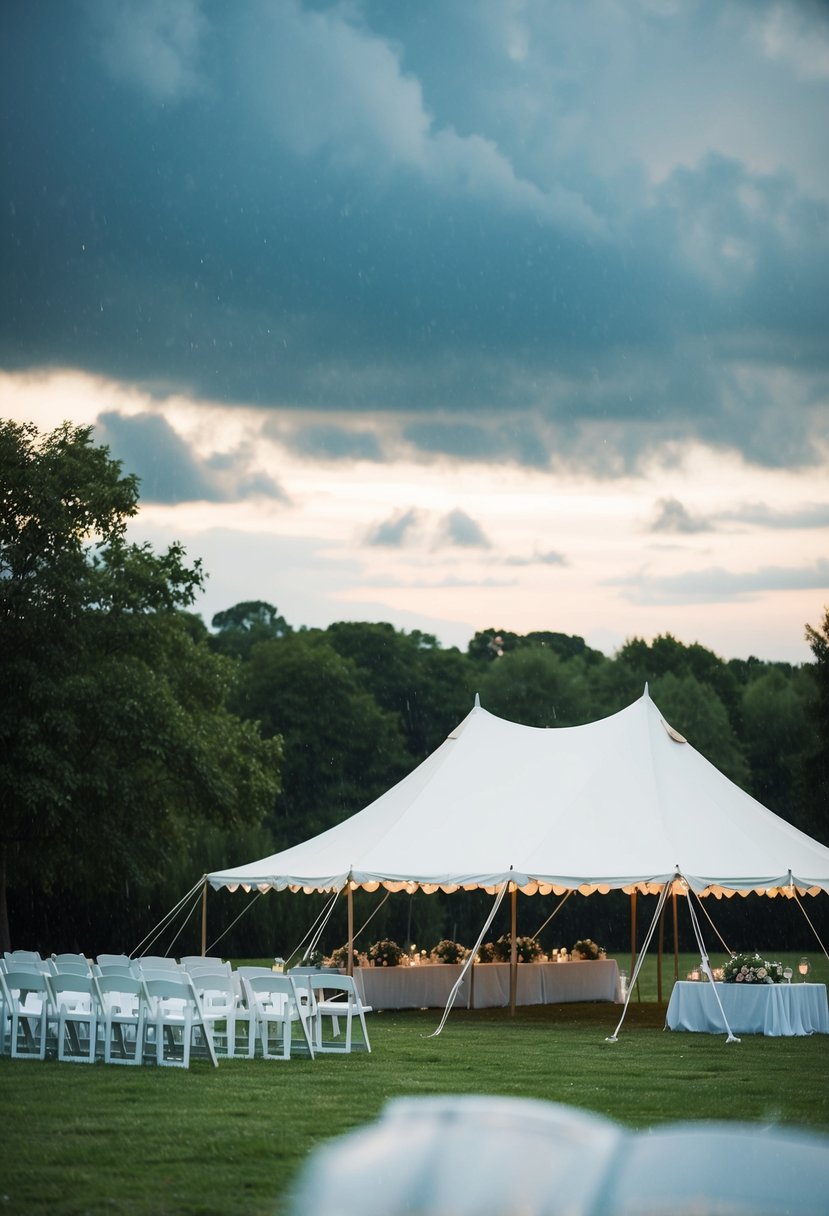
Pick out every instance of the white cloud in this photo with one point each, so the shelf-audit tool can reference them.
(153, 45)
(797, 35)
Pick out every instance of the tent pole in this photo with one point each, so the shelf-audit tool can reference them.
(659, 952)
(350, 902)
(632, 931)
(513, 950)
(676, 938)
(204, 919)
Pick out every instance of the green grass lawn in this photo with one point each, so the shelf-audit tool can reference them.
(118, 1140)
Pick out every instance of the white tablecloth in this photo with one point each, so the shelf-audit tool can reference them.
(428, 985)
(771, 1009)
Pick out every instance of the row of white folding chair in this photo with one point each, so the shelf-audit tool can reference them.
(161, 1011)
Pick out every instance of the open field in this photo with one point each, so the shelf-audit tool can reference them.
(102, 1140)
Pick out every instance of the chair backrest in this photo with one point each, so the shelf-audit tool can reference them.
(24, 979)
(31, 968)
(216, 990)
(73, 985)
(202, 960)
(70, 958)
(56, 967)
(319, 982)
(158, 962)
(22, 956)
(171, 991)
(114, 960)
(111, 985)
(116, 970)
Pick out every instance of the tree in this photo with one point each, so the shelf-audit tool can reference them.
(536, 687)
(115, 736)
(341, 749)
(818, 770)
(696, 711)
(780, 739)
(239, 628)
(409, 675)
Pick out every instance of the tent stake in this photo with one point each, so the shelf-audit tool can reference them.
(513, 950)
(204, 920)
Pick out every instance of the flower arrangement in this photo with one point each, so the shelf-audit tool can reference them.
(486, 953)
(527, 949)
(752, 969)
(587, 949)
(448, 951)
(314, 958)
(385, 953)
(339, 958)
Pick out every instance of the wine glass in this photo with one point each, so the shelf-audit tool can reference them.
(787, 974)
(804, 967)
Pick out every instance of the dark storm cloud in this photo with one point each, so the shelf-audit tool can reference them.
(169, 471)
(715, 585)
(424, 213)
(332, 443)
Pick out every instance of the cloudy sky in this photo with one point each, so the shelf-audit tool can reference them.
(456, 313)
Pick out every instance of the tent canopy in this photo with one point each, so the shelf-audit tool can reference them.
(624, 802)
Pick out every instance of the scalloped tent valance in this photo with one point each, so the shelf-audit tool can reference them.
(624, 802)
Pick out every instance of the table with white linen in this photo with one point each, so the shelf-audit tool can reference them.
(770, 1009)
(428, 985)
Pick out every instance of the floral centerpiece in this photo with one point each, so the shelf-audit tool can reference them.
(339, 958)
(385, 953)
(447, 951)
(486, 953)
(527, 949)
(587, 949)
(752, 969)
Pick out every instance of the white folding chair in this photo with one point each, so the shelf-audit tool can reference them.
(28, 1000)
(76, 1007)
(274, 1001)
(122, 1014)
(174, 1013)
(157, 962)
(223, 1009)
(336, 997)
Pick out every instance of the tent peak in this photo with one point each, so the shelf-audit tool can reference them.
(477, 701)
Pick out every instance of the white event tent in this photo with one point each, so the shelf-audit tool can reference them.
(624, 802)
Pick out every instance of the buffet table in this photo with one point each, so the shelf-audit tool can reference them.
(770, 1009)
(486, 985)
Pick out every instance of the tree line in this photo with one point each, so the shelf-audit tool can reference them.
(140, 748)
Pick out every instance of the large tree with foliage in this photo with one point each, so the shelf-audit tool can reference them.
(115, 737)
(818, 767)
(340, 748)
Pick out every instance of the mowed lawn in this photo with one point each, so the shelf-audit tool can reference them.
(102, 1139)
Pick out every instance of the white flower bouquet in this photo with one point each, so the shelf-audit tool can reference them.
(752, 969)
